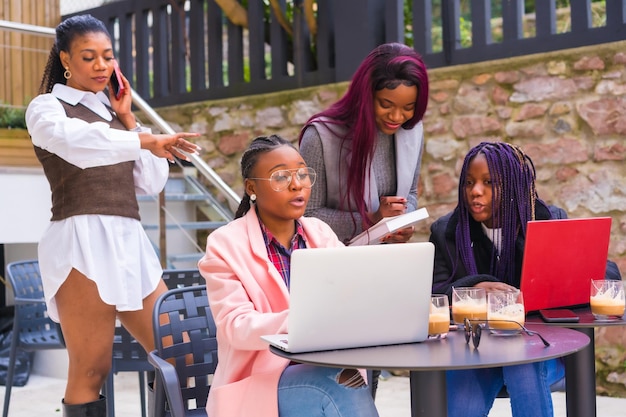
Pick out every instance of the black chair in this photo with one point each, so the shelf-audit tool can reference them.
(177, 278)
(186, 352)
(32, 328)
(129, 355)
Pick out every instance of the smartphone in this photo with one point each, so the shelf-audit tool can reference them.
(116, 81)
(561, 315)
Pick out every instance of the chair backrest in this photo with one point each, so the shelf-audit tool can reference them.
(128, 354)
(185, 334)
(177, 278)
(36, 329)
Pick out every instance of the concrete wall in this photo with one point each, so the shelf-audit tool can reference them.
(25, 208)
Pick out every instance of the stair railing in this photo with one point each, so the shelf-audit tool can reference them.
(202, 167)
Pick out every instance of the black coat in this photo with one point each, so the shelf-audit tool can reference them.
(446, 254)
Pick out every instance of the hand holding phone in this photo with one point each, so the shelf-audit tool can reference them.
(116, 81)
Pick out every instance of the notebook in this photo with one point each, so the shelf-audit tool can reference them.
(358, 296)
(374, 234)
(561, 257)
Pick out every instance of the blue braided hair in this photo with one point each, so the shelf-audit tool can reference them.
(513, 204)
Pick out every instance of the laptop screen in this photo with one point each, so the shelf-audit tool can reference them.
(561, 257)
(359, 296)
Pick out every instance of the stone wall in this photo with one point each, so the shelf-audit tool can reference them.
(566, 109)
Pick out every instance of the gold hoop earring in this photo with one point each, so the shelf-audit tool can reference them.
(67, 74)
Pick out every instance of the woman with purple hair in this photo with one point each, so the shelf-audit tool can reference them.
(480, 244)
(367, 147)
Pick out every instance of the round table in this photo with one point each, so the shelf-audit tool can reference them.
(580, 368)
(427, 361)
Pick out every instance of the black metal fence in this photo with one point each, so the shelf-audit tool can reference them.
(176, 51)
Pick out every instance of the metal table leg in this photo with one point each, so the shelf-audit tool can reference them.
(428, 394)
(580, 379)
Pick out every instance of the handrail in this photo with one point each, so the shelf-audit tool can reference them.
(26, 28)
(199, 163)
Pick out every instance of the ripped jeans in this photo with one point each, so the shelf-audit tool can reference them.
(312, 391)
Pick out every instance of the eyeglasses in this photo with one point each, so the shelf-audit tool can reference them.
(473, 330)
(281, 179)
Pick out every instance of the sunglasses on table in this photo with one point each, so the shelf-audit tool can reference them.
(473, 330)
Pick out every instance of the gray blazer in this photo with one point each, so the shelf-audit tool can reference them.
(322, 148)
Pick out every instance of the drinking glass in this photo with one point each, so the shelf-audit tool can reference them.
(439, 316)
(607, 299)
(505, 310)
(470, 303)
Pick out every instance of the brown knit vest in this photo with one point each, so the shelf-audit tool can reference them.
(108, 190)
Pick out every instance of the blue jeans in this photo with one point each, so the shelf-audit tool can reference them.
(311, 391)
(471, 393)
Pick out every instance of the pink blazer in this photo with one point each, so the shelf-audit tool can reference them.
(248, 299)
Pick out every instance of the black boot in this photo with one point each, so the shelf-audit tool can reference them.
(96, 408)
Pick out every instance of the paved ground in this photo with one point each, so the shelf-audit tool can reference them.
(393, 401)
(41, 396)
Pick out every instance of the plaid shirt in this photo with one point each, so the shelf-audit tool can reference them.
(278, 254)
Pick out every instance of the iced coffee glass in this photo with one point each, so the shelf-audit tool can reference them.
(505, 309)
(439, 316)
(607, 299)
(468, 302)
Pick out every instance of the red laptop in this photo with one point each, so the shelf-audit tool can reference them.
(561, 257)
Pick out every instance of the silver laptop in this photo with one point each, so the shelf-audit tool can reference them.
(358, 296)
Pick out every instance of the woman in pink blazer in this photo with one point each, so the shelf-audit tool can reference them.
(246, 267)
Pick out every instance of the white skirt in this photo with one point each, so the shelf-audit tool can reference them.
(112, 251)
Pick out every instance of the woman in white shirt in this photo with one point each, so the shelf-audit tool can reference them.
(96, 261)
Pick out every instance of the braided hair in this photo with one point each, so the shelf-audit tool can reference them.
(249, 159)
(66, 32)
(514, 196)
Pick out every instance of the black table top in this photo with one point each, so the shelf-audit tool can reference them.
(452, 352)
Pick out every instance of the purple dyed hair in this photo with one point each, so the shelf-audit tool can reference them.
(387, 66)
(513, 204)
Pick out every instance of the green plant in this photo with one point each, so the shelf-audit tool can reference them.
(12, 117)
(563, 22)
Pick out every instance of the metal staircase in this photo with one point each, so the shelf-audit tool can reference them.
(178, 221)
(186, 210)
